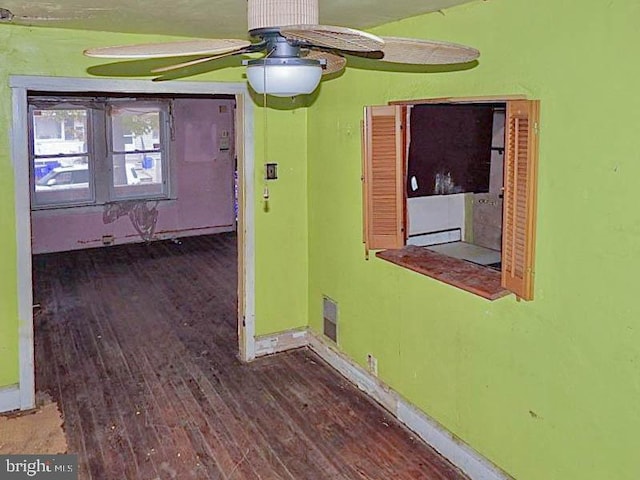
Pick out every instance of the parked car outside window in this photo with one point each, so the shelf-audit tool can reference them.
(62, 178)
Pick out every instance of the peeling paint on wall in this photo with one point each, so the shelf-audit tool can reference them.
(143, 216)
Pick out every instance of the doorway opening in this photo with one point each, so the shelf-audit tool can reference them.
(139, 148)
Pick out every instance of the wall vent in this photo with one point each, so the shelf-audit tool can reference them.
(330, 316)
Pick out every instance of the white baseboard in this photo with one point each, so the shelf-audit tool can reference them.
(279, 342)
(448, 445)
(9, 398)
(444, 442)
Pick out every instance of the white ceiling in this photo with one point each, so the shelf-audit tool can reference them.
(200, 18)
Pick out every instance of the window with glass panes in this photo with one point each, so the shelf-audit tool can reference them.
(97, 150)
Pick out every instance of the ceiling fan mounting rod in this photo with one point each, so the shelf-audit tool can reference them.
(276, 45)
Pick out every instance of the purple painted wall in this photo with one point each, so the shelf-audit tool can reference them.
(202, 187)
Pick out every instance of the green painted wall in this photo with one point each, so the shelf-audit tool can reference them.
(548, 389)
(281, 232)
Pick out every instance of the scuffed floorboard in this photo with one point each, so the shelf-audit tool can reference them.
(137, 344)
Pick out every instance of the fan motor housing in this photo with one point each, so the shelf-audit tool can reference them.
(281, 13)
(275, 44)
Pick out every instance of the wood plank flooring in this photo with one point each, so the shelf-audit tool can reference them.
(137, 344)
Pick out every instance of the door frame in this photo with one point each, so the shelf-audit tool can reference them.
(22, 395)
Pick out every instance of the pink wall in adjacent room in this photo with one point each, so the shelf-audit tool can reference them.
(202, 187)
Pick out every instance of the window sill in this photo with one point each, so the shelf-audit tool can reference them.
(82, 208)
(482, 281)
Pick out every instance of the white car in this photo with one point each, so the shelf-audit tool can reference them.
(63, 178)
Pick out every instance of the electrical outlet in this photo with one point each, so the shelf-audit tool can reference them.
(107, 239)
(372, 364)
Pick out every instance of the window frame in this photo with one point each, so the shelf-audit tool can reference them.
(100, 148)
(65, 103)
(164, 133)
(458, 272)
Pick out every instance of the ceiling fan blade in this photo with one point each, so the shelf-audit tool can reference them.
(425, 52)
(339, 38)
(197, 61)
(174, 49)
(335, 63)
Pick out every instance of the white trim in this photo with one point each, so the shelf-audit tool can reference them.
(449, 446)
(280, 342)
(353, 372)
(20, 150)
(248, 223)
(9, 398)
(71, 84)
(20, 85)
(444, 442)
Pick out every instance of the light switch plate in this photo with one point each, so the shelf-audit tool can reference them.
(271, 171)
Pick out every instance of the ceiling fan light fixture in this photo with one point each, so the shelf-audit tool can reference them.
(284, 77)
(297, 50)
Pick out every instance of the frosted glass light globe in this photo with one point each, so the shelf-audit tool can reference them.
(286, 77)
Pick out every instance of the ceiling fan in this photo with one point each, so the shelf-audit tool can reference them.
(298, 51)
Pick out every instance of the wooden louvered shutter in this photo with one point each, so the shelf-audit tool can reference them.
(383, 177)
(520, 179)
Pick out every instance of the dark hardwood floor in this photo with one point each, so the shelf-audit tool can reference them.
(138, 346)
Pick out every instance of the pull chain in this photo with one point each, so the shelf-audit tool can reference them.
(265, 193)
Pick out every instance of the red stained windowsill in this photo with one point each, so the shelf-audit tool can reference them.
(468, 276)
